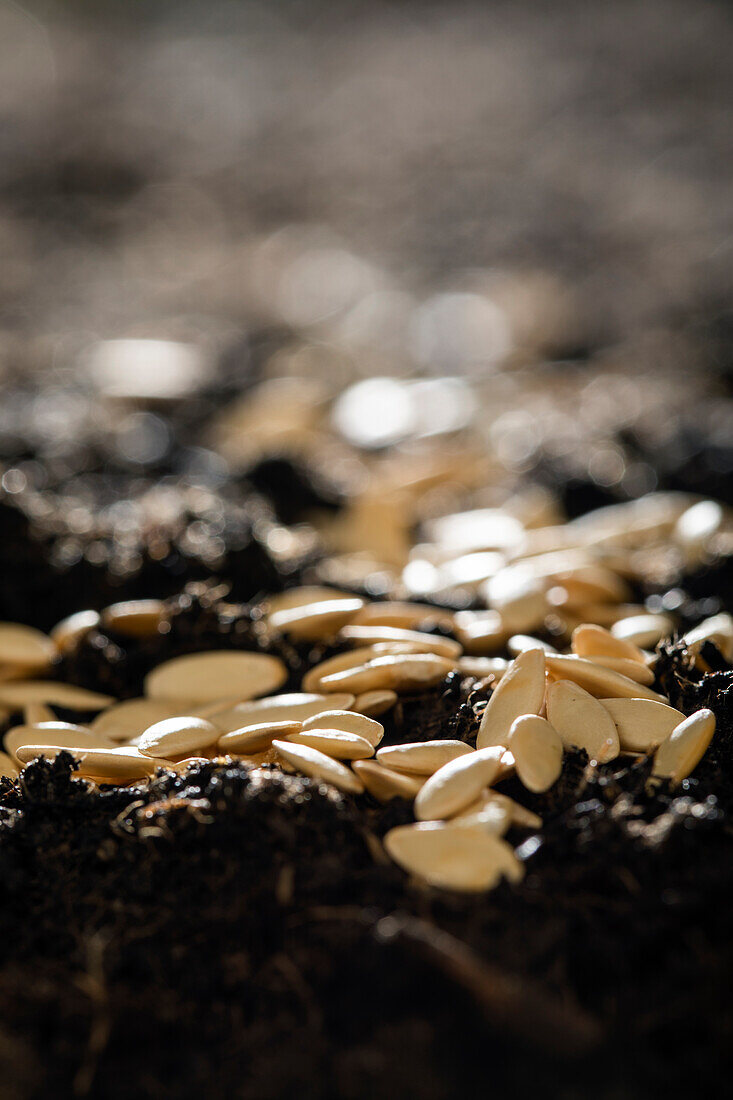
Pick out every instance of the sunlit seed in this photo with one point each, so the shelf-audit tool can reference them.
(537, 750)
(217, 674)
(18, 695)
(68, 633)
(349, 721)
(256, 738)
(642, 724)
(374, 703)
(134, 618)
(290, 707)
(590, 640)
(718, 629)
(399, 673)
(466, 858)
(422, 757)
(8, 767)
(519, 643)
(62, 734)
(581, 721)
(33, 713)
(644, 631)
(458, 783)
(520, 691)
(26, 647)
(335, 743)
(116, 765)
(633, 670)
(403, 615)
(130, 718)
(314, 621)
(317, 765)
(384, 783)
(685, 747)
(599, 681)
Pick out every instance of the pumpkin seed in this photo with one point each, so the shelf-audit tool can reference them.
(422, 757)
(466, 858)
(642, 724)
(256, 738)
(520, 691)
(384, 783)
(718, 629)
(537, 751)
(316, 620)
(319, 766)
(8, 766)
(401, 614)
(427, 643)
(483, 668)
(116, 765)
(480, 632)
(644, 631)
(134, 618)
(25, 647)
(292, 707)
(374, 703)
(130, 718)
(217, 674)
(685, 747)
(633, 670)
(353, 658)
(33, 713)
(349, 722)
(590, 640)
(458, 783)
(303, 596)
(597, 680)
(490, 813)
(18, 695)
(401, 672)
(63, 735)
(175, 736)
(335, 743)
(581, 721)
(519, 643)
(67, 634)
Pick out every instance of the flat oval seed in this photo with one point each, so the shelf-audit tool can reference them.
(218, 674)
(319, 766)
(134, 618)
(25, 647)
(481, 632)
(422, 757)
(520, 691)
(302, 597)
(458, 783)
(316, 620)
(116, 765)
(291, 707)
(718, 629)
(537, 751)
(251, 739)
(384, 783)
(18, 695)
(132, 717)
(64, 735)
(643, 630)
(699, 523)
(402, 672)
(590, 640)
(7, 766)
(67, 634)
(685, 747)
(33, 713)
(642, 724)
(599, 681)
(634, 670)
(349, 722)
(355, 658)
(427, 643)
(401, 614)
(518, 815)
(489, 814)
(581, 721)
(374, 703)
(335, 743)
(176, 736)
(466, 858)
(520, 643)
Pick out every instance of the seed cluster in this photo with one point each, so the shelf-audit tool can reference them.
(586, 682)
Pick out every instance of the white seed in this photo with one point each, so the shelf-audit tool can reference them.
(316, 620)
(374, 703)
(581, 721)
(519, 643)
(480, 632)
(599, 681)
(116, 765)
(718, 629)
(218, 674)
(633, 670)
(134, 618)
(643, 630)
(177, 736)
(537, 751)
(699, 523)
(458, 783)
(253, 739)
(589, 583)
(25, 647)
(349, 722)
(422, 757)
(642, 724)
(62, 735)
(491, 813)
(423, 643)
(481, 529)
(7, 766)
(401, 614)
(294, 706)
(319, 766)
(17, 695)
(384, 783)
(401, 672)
(467, 858)
(483, 668)
(67, 634)
(335, 743)
(518, 815)
(520, 691)
(590, 640)
(685, 747)
(130, 718)
(354, 658)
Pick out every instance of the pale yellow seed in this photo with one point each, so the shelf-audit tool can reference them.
(384, 783)
(134, 618)
(374, 703)
(599, 681)
(643, 630)
(314, 621)
(404, 672)
(291, 707)
(491, 814)
(25, 647)
(349, 722)
(465, 858)
(67, 634)
(642, 724)
(634, 670)
(581, 721)
(316, 764)
(402, 614)
(335, 743)
(33, 713)
(520, 691)
(685, 747)
(537, 751)
(481, 632)
(520, 643)
(458, 783)
(256, 738)
(64, 735)
(425, 643)
(114, 765)
(483, 668)
(590, 640)
(18, 695)
(302, 597)
(354, 658)
(129, 719)
(519, 816)
(177, 736)
(422, 757)
(218, 674)
(718, 629)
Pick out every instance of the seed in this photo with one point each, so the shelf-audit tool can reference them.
(519, 596)
(294, 706)
(453, 857)
(520, 691)
(60, 735)
(590, 584)
(599, 681)
(302, 597)
(718, 629)
(129, 719)
(256, 738)
(401, 614)
(483, 667)
(374, 703)
(384, 783)
(699, 523)
(312, 681)
(643, 630)
(519, 643)
(479, 529)
(319, 766)
(24, 647)
(581, 721)
(480, 632)
(458, 783)
(402, 672)
(492, 814)
(116, 765)
(685, 747)
(218, 674)
(67, 634)
(633, 670)
(135, 618)
(349, 722)
(315, 620)
(33, 713)
(594, 641)
(642, 724)
(422, 757)
(537, 751)
(18, 695)
(519, 815)
(427, 643)
(335, 743)
(7, 766)
(176, 736)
